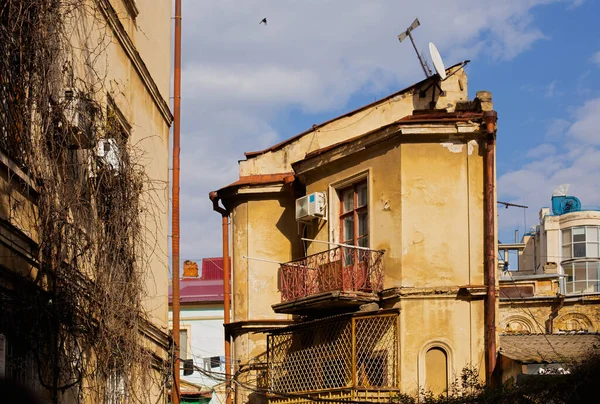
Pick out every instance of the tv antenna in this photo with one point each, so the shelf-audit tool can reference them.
(407, 33)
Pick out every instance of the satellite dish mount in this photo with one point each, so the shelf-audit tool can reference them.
(407, 33)
(435, 58)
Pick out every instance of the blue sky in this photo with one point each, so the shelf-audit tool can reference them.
(246, 86)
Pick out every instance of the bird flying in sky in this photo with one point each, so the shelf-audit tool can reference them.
(263, 21)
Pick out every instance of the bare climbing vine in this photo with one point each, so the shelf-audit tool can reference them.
(79, 317)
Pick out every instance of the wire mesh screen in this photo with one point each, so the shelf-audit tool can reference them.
(376, 345)
(312, 358)
(353, 352)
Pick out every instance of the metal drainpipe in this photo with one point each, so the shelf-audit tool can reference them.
(226, 290)
(175, 391)
(490, 118)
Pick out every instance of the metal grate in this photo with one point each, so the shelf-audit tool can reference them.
(376, 342)
(341, 268)
(358, 352)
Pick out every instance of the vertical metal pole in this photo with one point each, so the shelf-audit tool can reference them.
(490, 118)
(175, 391)
(418, 54)
(226, 305)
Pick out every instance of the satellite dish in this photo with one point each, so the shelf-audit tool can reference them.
(437, 61)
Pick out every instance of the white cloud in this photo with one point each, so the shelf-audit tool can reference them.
(585, 129)
(556, 128)
(239, 77)
(543, 149)
(575, 160)
(596, 58)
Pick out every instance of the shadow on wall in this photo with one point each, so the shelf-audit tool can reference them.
(12, 393)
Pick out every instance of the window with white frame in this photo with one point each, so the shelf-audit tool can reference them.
(580, 242)
(582, 277)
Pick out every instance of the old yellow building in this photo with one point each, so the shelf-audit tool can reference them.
(358, 250)
(84, 155)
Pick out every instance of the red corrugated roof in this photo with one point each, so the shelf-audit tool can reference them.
(212, 268)
(197, 290)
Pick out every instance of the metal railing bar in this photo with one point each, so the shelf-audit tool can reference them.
(343, 245)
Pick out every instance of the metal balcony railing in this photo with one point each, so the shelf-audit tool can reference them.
(343, 268)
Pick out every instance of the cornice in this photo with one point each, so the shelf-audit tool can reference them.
(130, 50)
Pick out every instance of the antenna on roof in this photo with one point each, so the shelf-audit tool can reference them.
(407, 33)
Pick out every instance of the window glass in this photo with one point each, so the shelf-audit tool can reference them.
(578, 250)
(349, 229)
(579, 286)
(566, 251)
(578, 234)
(364, 242)
(362, 195)
(354, 215)
(363, 223)
(183, 342)
(566, 236)
(591, 234)
(348, 200)
(592, 250)
(592, 271)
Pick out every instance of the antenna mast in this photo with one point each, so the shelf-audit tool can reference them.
(407, 33)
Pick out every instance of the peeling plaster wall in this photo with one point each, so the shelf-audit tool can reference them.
(426, 211)
(426, 204)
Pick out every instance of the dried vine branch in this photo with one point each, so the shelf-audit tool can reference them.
(80, 321)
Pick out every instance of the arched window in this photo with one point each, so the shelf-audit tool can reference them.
(436, 370)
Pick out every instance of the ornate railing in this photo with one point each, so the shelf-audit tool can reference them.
(339, 269)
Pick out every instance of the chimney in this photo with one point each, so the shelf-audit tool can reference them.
(190, 269)
(485, 100)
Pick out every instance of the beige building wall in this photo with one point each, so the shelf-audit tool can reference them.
(132, 67)
(425, 211)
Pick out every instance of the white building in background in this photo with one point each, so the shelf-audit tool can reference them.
(550, 284)
(202, 335)
(557, 276)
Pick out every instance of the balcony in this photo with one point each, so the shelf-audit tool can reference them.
(334, 279)
(353, 357)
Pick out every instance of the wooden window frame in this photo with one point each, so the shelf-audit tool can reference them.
(356, 210)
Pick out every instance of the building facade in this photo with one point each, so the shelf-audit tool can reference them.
(201, 332)
(84, 156)
(553, 285)
(357, 253)
(550, 289)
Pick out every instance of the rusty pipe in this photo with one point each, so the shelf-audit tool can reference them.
(214, 197)
(175, 391)
(490, 118)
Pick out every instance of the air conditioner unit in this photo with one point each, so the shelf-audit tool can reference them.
(79, 112)
(311, 206)
(108, 151)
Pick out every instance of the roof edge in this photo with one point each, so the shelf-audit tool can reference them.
(348, 114)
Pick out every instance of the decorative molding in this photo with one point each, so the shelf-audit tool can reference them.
(131, 8)
(119, 114)
(127, 44)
